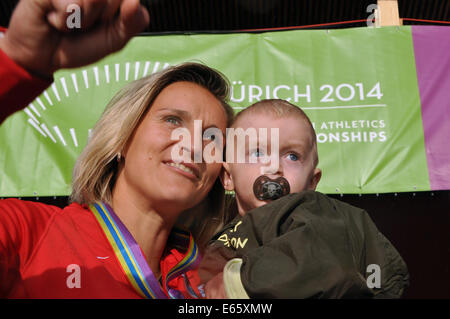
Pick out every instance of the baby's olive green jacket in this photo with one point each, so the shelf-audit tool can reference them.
(308, 245)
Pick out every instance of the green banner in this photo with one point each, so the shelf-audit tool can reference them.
(358, 86)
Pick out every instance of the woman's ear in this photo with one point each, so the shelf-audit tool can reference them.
(123, 152)
(226, 178)
(315, 179)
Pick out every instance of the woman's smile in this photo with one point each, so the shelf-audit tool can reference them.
(186, 169)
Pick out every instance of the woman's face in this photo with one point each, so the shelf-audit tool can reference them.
(149, 172)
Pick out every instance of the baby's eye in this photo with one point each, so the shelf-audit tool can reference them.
(175, 120)
(292, 157)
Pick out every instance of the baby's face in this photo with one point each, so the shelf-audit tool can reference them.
(295, 156)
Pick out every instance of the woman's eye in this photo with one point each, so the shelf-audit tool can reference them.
(209, 137)
(173, 120)
(257, 153)
(292, 157)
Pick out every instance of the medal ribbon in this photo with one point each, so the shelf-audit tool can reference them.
(190, 261)
(128, 253)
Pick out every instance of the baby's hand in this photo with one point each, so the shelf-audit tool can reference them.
(215, 289)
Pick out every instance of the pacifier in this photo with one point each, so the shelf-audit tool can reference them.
(266, 188)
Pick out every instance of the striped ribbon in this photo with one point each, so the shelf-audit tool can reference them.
(190, 261)
(132, 260)
(128, 253)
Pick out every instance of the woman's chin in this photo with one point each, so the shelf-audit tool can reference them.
(180, 197)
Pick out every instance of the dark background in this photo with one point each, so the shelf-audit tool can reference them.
(417, 224)
(221, 15)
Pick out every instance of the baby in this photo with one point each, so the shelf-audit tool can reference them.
(295, 149)
(286, 240)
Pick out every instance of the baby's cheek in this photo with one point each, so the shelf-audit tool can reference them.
(297, 180)
(245, 191)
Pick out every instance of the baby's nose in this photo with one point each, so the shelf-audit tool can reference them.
(273, 167)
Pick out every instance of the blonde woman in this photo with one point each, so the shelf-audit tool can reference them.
(118, 237)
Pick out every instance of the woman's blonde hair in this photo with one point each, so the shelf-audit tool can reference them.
(96, 168)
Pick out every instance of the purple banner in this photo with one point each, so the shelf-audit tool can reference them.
(432, 55)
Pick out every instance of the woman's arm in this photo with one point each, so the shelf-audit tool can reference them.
(17, 86)
(32, 51)
(22, 224)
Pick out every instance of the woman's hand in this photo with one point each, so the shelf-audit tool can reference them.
(42, 37)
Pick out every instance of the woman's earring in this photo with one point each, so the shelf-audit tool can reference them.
(119, 157)
(230, 193)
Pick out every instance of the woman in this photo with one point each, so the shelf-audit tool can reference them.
(117, 238)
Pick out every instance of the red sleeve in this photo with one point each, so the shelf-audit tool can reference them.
(17, 86)
(22, 224)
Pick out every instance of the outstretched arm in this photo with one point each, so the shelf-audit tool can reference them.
(40, 41)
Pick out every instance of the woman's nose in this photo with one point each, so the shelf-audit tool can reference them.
(196, 150)
(192, 153)
(191, 143)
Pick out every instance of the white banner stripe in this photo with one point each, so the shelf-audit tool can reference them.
(136, 70)
(147, 65)
(34, 109)
(155, 67)
(36, 127)
(328, 107)
(74, 137)
(95, 70)
(44, 127)
(48, 98)
(107, 73)
(58, 132)
(27, 111)
(342, 107)
(63, 83)
(127, 70)
(86, 80)
(75, 82)
(40, 103)
(55, 90)
(117, 67)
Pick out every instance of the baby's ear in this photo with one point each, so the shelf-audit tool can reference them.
(315, 179)
(225, 177)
